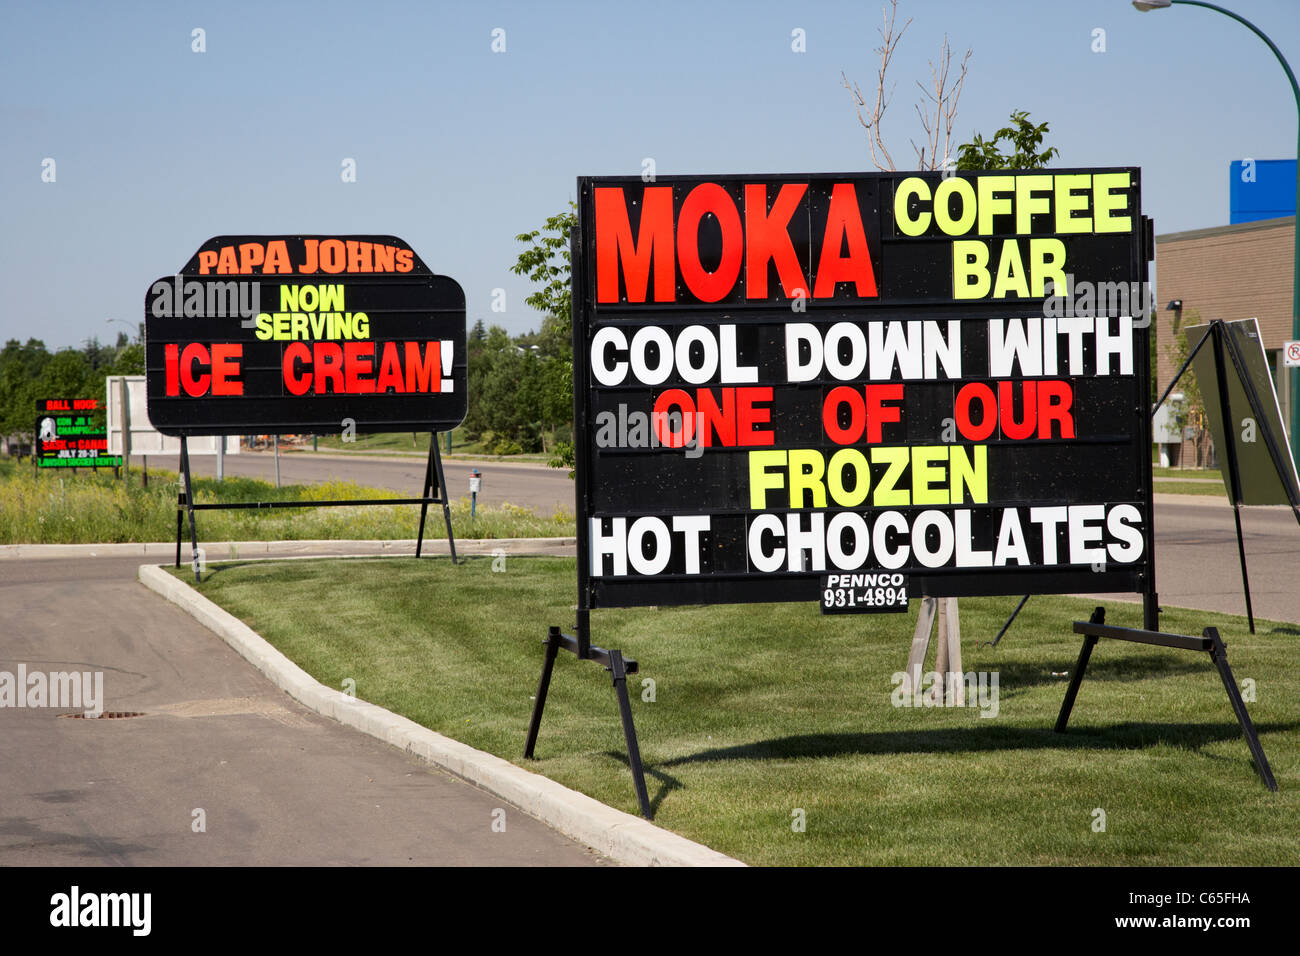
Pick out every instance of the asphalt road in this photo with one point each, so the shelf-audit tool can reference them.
(276, 784)
(537, 487)
(1197, 563)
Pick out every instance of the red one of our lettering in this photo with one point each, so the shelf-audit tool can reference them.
(1043, 403)
(867, 412)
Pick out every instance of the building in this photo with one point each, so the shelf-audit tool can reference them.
(1239, 271)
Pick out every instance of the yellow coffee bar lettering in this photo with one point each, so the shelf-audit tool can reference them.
(1077, 202)
(1009, 207)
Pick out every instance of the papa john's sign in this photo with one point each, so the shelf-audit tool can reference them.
(277, 334)
(783, 378)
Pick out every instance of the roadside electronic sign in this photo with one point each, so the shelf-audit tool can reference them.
(69, 434)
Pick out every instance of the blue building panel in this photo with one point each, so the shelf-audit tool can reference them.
(1261, 189)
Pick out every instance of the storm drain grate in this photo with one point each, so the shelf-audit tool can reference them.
(107, 715)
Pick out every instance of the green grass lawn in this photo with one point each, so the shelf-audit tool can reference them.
(1198, 486)
(764, 710)
(92, 507)
(1191, 488)
(1214, 473)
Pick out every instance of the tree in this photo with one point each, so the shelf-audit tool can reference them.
(941, 97)
(1023, 136)
(1190, 412)
(129, 360)
(483, 354)
(20, 366)
(547, 263)
(29, 372)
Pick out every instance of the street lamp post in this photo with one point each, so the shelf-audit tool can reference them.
(135, 332)
(1294, 381)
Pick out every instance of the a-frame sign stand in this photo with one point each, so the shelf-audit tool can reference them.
(1209, 642)
(618, 667)
(1225, 348)
(432, 473)
(433, 492)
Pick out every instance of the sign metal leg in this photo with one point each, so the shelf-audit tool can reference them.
(180, 521)
(189, 507)
(424, 492)
(619, 674)
(1219, 654)
(543, 686)
(1014, 614)
(1085, 652)
(443, 496)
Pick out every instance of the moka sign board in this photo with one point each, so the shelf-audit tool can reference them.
(782, 378)
(282, 334)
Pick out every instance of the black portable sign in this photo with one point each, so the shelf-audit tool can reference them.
(784, 378)
(70, 435)
(1255, 437)
(284, 334)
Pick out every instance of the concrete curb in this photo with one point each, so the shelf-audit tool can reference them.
(222, 550)
(618, 835)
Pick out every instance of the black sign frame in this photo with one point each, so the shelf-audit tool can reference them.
(414, 307)
(1130, 254)
(424, 313)
(1137, 251)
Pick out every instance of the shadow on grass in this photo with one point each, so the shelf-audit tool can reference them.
(1126, 736)
(957, 740)
(1017, 676)
(667, 782)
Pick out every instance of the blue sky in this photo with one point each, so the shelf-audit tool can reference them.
(458, 148)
